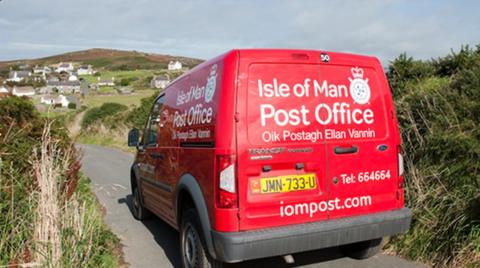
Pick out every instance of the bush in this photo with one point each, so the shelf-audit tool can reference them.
(439, 113)
(455, 62)
(72, 105)
(404, 69)
(126, 81)
(138, 116)
(98, 113)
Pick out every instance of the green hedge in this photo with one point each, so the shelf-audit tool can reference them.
(438, 107)
(98, 113)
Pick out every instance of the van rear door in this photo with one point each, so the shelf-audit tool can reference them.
(361, 139)
(281, 157)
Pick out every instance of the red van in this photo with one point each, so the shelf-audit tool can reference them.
(260, 153)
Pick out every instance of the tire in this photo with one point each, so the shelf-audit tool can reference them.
(138, 210)
(194, 253)
(362, 250)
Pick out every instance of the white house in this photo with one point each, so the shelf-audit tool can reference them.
(85, 70)
(72, 77)
(27, 91)
(159, 81)
(64, 67)
(18, 76)
(3, 91)
(42, 70)
(106, 82)
(174, 65)
(54, 100)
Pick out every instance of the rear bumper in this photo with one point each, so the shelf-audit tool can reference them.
(241, 246)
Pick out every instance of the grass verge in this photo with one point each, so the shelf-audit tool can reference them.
(50, 218)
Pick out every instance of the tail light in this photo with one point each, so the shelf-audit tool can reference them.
(401, 167)
(226, 182)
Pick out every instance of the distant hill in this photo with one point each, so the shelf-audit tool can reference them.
(109, 59)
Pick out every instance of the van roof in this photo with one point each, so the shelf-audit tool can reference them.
(340, 57)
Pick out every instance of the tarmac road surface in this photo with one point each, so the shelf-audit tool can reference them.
(153, 243)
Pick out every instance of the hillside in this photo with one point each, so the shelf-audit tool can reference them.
(109, 59)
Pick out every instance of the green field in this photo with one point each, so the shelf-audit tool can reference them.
(128, 100)
(91, 79)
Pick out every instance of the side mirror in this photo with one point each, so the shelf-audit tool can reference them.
(133, 137)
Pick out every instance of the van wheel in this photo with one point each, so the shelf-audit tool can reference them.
(194, 253)
(138, 210)
(362, 250)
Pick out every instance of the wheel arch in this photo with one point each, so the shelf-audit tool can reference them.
(188, 190)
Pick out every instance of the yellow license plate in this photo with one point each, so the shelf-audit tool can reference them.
(283, 184)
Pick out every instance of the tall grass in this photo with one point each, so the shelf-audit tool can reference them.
(47, 169)
(50, 218)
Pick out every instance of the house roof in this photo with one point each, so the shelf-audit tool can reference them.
(25, 89)
(19, 74)
(63, 83)
(54, 98)
(49, 97)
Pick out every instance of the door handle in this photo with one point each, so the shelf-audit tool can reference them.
(157, 155)
(346, 150)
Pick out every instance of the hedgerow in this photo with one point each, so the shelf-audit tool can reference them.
(438, 107)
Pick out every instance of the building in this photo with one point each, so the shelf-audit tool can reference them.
(53, 79)
(42, 70)
(72, 77)
(174, 65)
(85, 70)
(62, 87)
(55, 100)
(64, 67)
(4, 91)
(106, 82)
(27, 91)
(159, 81)
(18, 76)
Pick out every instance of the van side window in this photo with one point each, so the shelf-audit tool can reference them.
(151, 131)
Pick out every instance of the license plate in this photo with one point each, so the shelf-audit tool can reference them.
(283, 184)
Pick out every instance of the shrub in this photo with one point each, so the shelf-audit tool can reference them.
(138, 116)
(98, 113)
(455, 62)
(404, 69)
(72, 105)
(439, 114)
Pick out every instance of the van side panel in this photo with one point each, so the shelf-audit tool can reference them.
(203, 126)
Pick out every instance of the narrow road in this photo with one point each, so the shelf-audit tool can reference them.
(153, 243)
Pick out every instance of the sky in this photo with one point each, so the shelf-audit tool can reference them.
(206, 28)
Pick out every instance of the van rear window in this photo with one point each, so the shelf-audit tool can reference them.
(292, 103)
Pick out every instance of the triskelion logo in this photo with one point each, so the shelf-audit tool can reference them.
(359, 88)
(211, 84)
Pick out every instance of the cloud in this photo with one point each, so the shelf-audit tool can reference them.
(205, 28)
